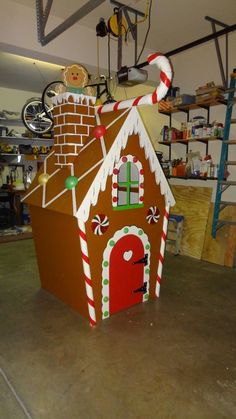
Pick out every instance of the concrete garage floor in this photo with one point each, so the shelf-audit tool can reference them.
(173, 358)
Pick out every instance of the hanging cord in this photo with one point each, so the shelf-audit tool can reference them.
(109, 56)
(148, 29)
(98, 65)
(109, 65)
(41, 75)
(146, 13)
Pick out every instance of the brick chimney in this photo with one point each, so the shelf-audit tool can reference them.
(74, 120)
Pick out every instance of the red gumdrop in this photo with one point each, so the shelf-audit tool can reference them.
(99, 131)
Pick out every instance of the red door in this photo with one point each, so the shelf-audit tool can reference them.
(126, 275)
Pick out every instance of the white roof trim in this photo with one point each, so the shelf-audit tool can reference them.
(132, 125)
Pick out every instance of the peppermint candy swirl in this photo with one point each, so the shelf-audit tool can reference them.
(100, 224)
(153, 215)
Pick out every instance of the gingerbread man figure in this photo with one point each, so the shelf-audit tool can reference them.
(76, 79)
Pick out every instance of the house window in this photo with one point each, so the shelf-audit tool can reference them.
(127, 191)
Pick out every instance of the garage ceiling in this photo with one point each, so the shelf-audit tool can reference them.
(173, 24)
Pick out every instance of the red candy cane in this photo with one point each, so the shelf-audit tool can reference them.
(165, 80)
(87, 274)
(162, 250)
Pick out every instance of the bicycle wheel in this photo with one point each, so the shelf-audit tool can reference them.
(35, 118)
(52, 89)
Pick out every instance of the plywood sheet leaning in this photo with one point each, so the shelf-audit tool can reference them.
(214, 249)
(222, 249)
(194, 204)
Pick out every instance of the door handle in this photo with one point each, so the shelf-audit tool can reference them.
(143, 260)
(142, 289)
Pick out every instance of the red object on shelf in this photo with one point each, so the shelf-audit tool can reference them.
(180, 169)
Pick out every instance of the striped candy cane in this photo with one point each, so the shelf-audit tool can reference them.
(87, 273)
(165, 80)
(162, 249)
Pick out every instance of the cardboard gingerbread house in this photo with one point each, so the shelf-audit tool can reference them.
(99, 208)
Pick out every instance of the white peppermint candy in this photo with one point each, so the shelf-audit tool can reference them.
(153, 215)
(100, 224)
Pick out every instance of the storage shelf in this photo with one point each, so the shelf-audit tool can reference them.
(15, 237)
(16, 154)
(192, 177)
(190, 140)
(11, 122)
(27, 140)
(192, 106)
(204, 104)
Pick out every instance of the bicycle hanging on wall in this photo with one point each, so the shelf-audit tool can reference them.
(34, 117)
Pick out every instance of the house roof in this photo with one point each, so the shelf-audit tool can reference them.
(92, 167)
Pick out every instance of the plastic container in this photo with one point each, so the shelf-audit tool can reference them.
(199, 131)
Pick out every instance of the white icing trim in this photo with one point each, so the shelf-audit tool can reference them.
(132, 125)
(108, 126)
(55, 197)
(106, 258)
(28, 194)
(77, 98)
(90, 170)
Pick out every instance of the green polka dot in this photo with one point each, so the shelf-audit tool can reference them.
(71, 182)
(147, 271)
(140, 232)
(126, 230)
(105, 263)
(146, 296)
(105, 299)
(105, 282)
(147, 247)
(106, 314)
(112, 243)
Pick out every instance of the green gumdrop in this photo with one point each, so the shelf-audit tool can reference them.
(71, 182)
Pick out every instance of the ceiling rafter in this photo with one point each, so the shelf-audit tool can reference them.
(43, 14)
